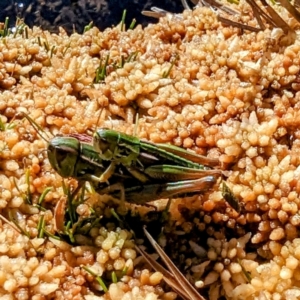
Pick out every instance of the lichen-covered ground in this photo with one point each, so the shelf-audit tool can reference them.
(230, 95)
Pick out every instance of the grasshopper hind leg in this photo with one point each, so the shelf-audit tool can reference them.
(206, 184)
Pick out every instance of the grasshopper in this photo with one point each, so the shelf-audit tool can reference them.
(133, 170)
(126, 167)
(70, 157)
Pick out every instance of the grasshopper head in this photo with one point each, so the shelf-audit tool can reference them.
(63, 153)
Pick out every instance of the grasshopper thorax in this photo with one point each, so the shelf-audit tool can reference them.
(105, 142)
(63, 153)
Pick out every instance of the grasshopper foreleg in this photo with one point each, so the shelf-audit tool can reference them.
(106, 174)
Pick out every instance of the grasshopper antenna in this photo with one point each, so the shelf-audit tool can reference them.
(98, 120)
(36, 127)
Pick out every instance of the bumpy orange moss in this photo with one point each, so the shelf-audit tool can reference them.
(230, 95)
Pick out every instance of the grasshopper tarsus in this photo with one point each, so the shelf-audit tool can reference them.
(229, 197)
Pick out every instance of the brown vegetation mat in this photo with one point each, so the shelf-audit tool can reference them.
(230, 95)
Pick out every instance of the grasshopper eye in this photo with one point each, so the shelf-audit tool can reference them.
(63, 154)
(66, 162)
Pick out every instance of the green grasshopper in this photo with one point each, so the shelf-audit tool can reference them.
(133, 170)
(126, 167)
(70, 157)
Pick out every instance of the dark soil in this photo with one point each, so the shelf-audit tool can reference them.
(75, 14)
